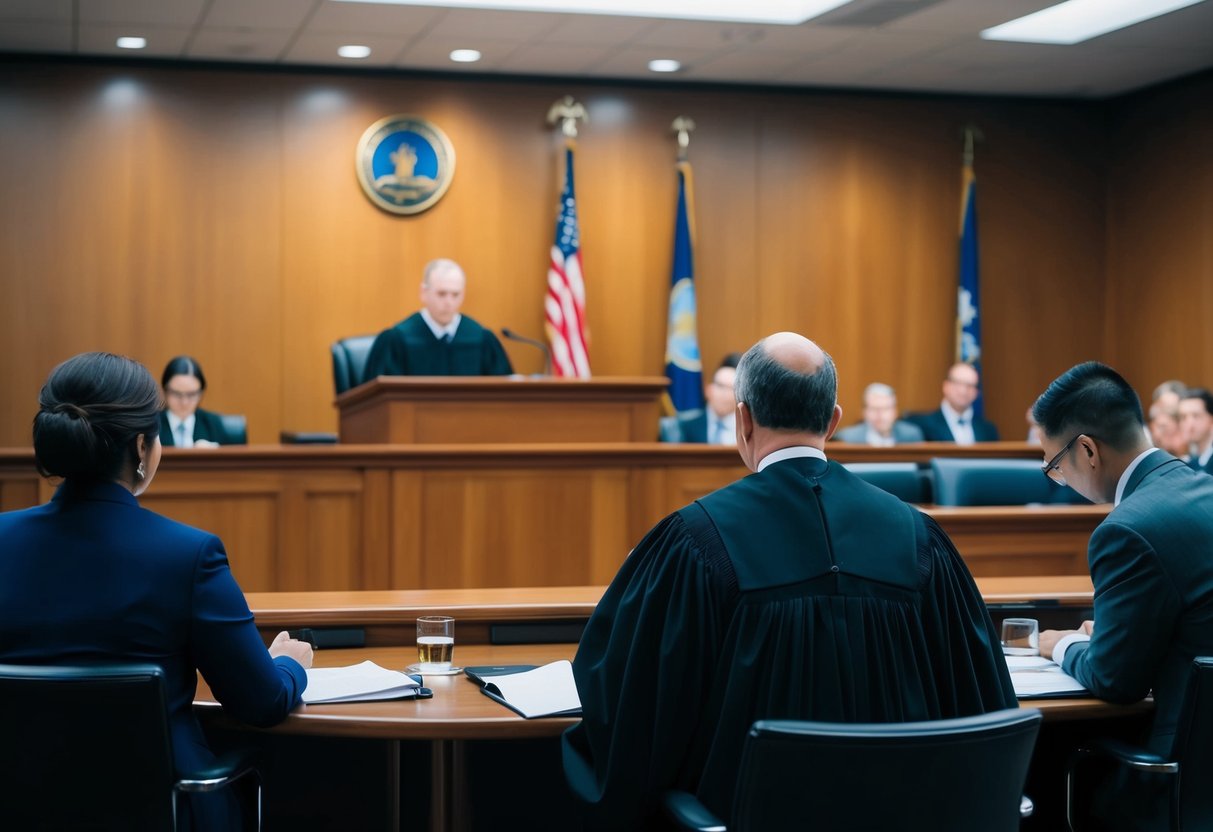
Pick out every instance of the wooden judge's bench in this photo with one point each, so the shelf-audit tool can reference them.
(498, 508)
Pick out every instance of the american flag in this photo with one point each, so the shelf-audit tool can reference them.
(565, 301)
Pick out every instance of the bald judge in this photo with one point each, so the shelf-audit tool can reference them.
(799, 592)
(437, 340)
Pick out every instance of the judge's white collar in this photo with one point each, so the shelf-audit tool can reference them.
(438, 329)
(794, 452)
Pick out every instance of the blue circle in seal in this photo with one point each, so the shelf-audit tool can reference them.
(405, 164)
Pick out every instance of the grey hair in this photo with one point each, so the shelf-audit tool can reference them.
(442, 264)
(784, 399)
(877, 388)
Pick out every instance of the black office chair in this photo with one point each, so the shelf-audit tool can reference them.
(993, 482)
(950, 775)
(904, 480)
(349, 361)
(1188, 769)
(235, 426)
(89, 748)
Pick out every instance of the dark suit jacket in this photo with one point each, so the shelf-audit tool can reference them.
(1194, 464)
(935, 427)
(91, 577)
(685, 427)
(1151, 562)
(206, 426)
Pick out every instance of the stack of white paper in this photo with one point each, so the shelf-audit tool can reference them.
(366, 682)
(545, 691)
(1037, 677)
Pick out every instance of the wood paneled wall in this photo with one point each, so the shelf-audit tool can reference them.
(1160, 236)
(155, 210)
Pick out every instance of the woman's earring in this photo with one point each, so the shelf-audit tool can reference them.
(139, 472)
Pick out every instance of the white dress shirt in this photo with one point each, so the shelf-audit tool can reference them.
(438, 329)
(182, 430)
(722, 431)
(793, 452)
(961, 424)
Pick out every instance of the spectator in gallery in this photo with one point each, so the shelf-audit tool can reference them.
(955, 420)
(880, 426)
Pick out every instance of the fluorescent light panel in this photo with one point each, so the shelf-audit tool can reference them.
(787, 12)
(1078, 20)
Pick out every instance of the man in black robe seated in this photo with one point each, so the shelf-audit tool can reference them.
(437, 340)
(799, 592)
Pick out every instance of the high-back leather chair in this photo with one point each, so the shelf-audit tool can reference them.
(89, 748)
(994, 482)
(349, 361)
(904, 480)
(949, 775)
(1188, 769)
(235, 425)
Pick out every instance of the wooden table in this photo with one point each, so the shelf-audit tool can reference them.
(460, 712)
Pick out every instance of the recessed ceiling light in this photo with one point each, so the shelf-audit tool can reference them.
(465, 56)
(786, 12)
(131, 43)
(664, 65)
(354, 51)
(1078, 20)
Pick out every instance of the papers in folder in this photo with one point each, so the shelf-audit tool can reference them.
(544, 691)
(366, 682)
(1038, 678)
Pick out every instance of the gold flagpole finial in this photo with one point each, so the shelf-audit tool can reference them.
(972, 133)
(683, 126)
(568, 112)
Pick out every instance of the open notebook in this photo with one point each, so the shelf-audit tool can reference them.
(366, 682)
(531, 692)
(1038, 678)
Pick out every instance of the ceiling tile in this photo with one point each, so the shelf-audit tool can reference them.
(261, 14)
(243, 44)
(742, 66)
(322, 49)
(633, 62)
(521, 26)
(36, 36)
(162, 41)
(434, 53)
(150, 12)
(60, 10)
(598, 29)
(364, 17)
(553, 59)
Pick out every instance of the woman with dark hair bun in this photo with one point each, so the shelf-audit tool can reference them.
(91, 577)
(183, 423)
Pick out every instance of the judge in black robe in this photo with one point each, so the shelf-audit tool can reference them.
(410, 348)
(799, 592)
(437, 340)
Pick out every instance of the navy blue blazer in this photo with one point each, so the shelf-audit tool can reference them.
(935, 427)
(691, 426)
(91, 577)
(1194, 464)
(1151, 563)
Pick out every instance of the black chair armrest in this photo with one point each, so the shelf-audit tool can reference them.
(1134, 757)
(227, 769)
(689, 814)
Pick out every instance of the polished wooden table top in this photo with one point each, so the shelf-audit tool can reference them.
(460, 711)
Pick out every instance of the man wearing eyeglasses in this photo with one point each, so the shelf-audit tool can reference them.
(955, 420)
(1151, 559)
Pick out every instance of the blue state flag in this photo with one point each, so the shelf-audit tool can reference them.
(682, 362)
(968, 305)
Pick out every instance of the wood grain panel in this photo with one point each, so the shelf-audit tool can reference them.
(1160, 250)
(222, 218)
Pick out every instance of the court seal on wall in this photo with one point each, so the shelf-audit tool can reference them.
(405, 164)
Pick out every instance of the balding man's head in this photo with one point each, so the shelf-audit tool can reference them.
(442, 285)
(788, 383)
